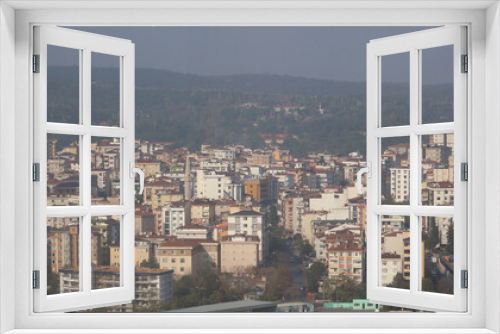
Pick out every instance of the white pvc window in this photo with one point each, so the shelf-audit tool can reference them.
(69, 207)
(415, 188)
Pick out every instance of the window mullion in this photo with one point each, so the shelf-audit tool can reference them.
(85, 174)
(414, 167)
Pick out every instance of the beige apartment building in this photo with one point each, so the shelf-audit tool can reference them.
(238, 253)
(187, 256)
(391, 265)
(142, 253)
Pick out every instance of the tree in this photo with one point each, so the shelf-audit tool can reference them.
(151, 263)
(348, 289)
(273, 215)
(450, 235)
(279, 281)
(433, 237)
(277, 241)
(399, 282)
(314, 274)
(306, 248)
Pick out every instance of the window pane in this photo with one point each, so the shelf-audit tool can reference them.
(63, 170)
(395, 258)
(437, 170)
(437, 237)
(395, 94)
(395, 169)
(105, 89)
(63, 255)
(105, 247)
(437, 84)
(63, 85)
(105, 178)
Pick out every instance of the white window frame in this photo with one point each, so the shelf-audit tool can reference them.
(413, 44)
(85, 44)
(483, 20)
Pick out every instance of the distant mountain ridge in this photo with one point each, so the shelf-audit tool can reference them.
(190, 109)
(257, 83)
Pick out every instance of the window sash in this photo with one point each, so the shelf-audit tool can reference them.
(86, 43)
(412, 43)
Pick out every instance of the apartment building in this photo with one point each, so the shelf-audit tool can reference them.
(216, 186)
(346, 260)
(187, 256)
(239, 252)
(391, 265)
(172, 217)
(202, 212)
(400, 184)
(152, 286)
(249, 223)
(441, 193)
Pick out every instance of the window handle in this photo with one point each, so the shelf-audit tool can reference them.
(135, 170)
(367, 170)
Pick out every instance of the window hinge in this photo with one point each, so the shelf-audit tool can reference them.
(465, 279)
(36, 172)
(464, 173)
(465, 64)
(36, 279)
(36, 63)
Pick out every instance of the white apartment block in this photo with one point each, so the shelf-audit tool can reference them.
(335, 204)
(172, 217)
(400, 184)
(218, 165)
(193, 232)
(249, 223)
(392, 224)
(213, 185)
(441, 193)
(152, 286)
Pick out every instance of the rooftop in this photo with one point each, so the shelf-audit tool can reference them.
(237, 306)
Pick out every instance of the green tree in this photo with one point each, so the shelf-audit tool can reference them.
(314, 274)
(306, 248)
(273, 215)
(151, 263)
(278, 282)
(433, 236)
(399, 282)
(348, 289)
(277, 240)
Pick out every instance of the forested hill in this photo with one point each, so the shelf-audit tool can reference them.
(190, 109)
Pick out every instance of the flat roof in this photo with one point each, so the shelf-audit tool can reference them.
(237, 306)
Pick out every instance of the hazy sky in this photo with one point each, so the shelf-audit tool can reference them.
(337, 53)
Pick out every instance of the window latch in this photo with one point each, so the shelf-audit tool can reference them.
(134, 170)
(368, 171)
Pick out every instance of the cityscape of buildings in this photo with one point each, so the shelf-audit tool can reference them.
(231, 211)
